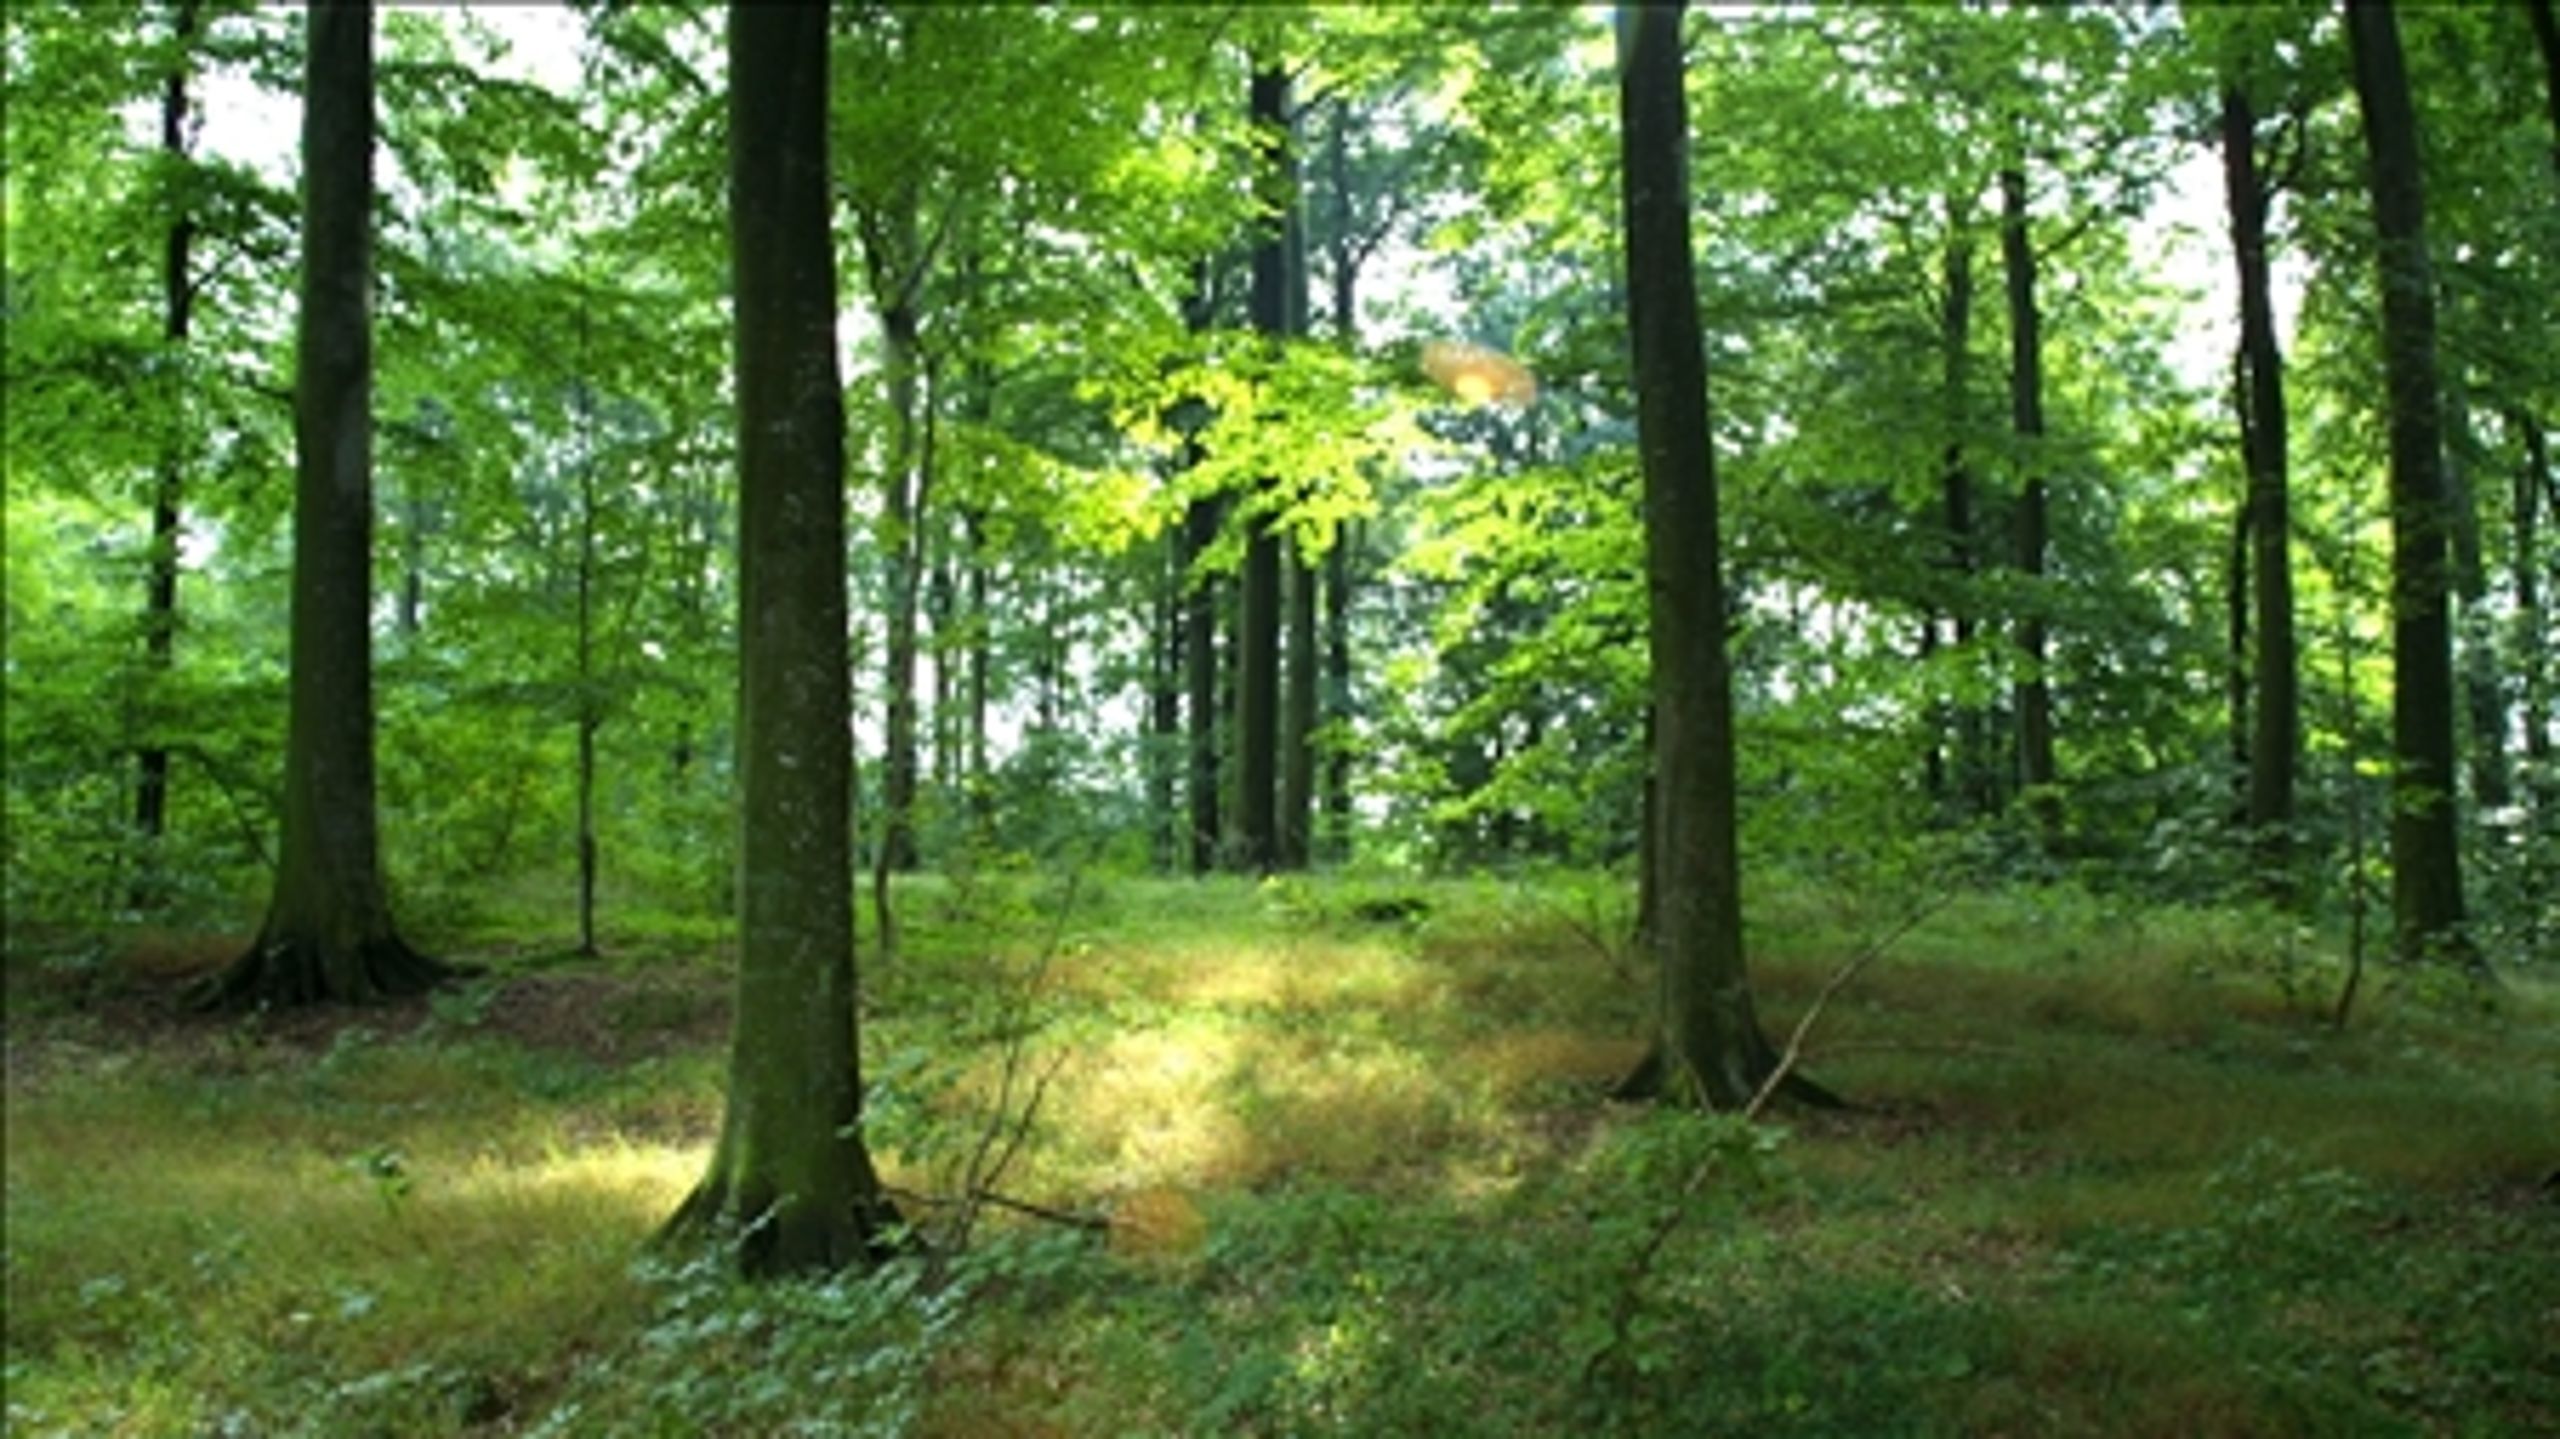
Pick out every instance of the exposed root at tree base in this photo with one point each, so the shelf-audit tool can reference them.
(1648, 1082)
(291, 971)
(766, 1241)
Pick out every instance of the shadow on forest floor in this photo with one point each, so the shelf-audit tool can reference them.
(2108, 1176)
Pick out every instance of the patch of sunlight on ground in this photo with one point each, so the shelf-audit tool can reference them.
(643, 1181)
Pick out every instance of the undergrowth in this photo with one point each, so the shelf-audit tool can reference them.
(2112, 1173)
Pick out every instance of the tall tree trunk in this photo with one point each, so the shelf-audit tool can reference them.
(2484, 703)
(1200, 525)
(2426, 872)
(328, 933)
(1710, 1048)
(1346, 259)
(790, 1186)
(2533, 481)
(2026, 417)
(981, 670)
(1973, 782)
(1258, 647)
(902, 535)
(2235, 671)
(1304, 663)
(2546, 38)
(1164, 757)
(590, 710)
(2275, 746)
(160, 604)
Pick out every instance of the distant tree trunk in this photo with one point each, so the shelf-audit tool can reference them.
(590, 711)
(1258, 648)
(1347, 255)
(2026, 410)
(2235, 647)
(328, 933)
(902, 534)
(1972, 765)
(1164, 741)
(2426, 873)
(1710, 1048)
(1305, 663)
(2533, 481)
(790, 1186)
(177, 298)
(2546, 38)
(2275, 746)
(2484, 703)
(1200, 525)
(981, 666)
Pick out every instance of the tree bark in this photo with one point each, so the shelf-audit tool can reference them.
(2426, 873)
(2546, 38)
(2036, 774)
(1200, 525)
(790, 1186)
(902, 533)
(1258, 647)
(1710, 1047)
(2275, 745)
(328, 932)
(177, 298)
(1972, 767)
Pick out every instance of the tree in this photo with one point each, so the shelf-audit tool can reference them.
(1711, 1049)
(791, 1183)
(2276, 734)
(2426, 873)
(1258, 588)
(328, 932)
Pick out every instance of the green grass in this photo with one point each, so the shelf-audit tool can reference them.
(2109, 1175)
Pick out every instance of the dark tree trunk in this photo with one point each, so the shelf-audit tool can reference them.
(791, 1185)
(902, 535)
(590, 711)
(2532, 483)
(1164, 756)
(1302, 681)
(981, 668)
(2275, 739)
(2484, 703)
(2036, 773)
(177, 298)
(2546, 38)
(1973, 781)
(2235, 673)
(2426, 873)
(1347, 256)
(1258, 648)
(1200, 526)
(328, 933)
(1710, 1049)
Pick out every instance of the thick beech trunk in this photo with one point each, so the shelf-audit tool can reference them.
(790, 1185)
(2426, 872)
(1710, 1048)
(328, 933)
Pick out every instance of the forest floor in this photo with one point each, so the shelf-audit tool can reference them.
(1338, 1159)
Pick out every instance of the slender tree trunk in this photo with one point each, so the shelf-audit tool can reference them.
(177, 297)
(2484, 703)
(2426, 873)
(1710, 1049)
(790, 1185)
(1258, 650)
(1973, 783)
(328, 933)
(981, 669)
(1200, 526)
(590, 712)
(2275, 747)
(902, 531)
(1340, 559)
(2532, 481)
(2235, 673)
(2546, 38)
(2026, 412)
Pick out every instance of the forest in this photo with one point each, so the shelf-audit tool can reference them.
(1041, 719)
